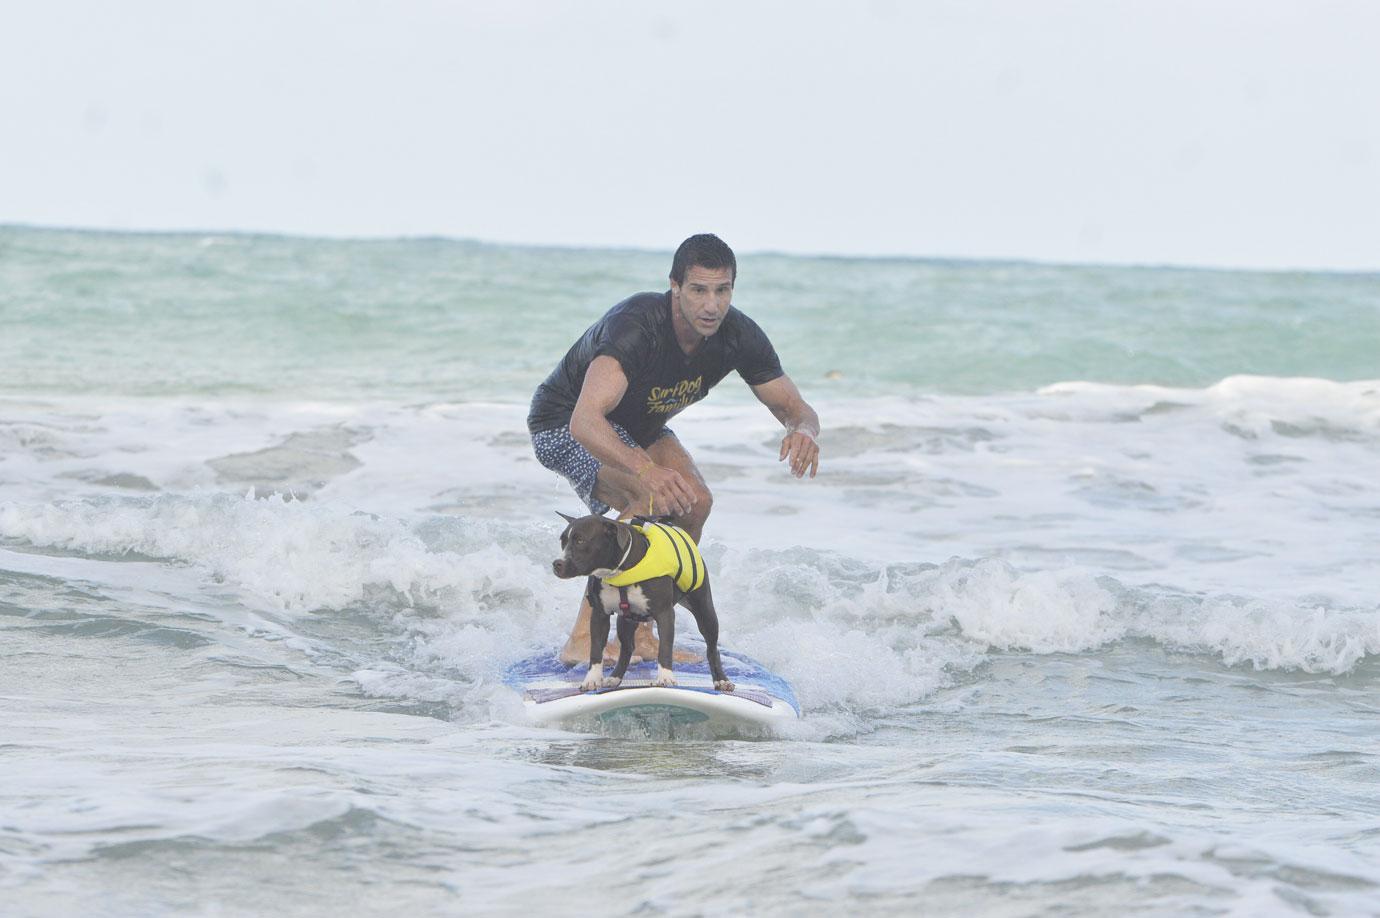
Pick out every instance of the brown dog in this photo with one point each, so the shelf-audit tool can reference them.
(605, 550)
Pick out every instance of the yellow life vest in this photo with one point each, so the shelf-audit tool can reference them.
(670, 553)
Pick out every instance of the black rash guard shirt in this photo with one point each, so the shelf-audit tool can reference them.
(662, 381)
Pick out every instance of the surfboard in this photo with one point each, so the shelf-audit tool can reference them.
(551, 694)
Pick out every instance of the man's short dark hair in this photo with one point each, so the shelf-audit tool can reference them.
(705, 250)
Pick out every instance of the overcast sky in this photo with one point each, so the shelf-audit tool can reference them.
(1145, 131)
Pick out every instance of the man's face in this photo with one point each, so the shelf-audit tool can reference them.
(704, 297)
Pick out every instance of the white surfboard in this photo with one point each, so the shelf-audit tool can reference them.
(551, 694)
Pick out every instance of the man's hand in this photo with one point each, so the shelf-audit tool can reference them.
(783, 399)
(803, 451)
(668, 494)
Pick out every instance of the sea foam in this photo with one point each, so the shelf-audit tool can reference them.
(464, 597)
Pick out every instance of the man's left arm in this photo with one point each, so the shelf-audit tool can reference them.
(802, 424)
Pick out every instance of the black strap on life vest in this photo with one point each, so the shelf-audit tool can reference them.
(680, 540)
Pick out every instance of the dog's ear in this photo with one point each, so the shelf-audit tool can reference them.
(623, 533)
(565, 533)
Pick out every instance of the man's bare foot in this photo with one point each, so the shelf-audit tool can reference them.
(648, 648)
(651, 649)
(576, 649)
(571, 655)
(645, 645)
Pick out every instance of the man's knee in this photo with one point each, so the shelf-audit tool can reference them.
(694, 520)
(704, 502)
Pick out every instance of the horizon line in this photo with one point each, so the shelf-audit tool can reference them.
(768, 252)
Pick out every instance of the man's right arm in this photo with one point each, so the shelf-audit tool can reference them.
(604, 387)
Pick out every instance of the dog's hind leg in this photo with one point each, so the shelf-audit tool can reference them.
(666, 634)
(701, 605)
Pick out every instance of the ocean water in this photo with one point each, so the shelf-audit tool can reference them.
(1083, 608)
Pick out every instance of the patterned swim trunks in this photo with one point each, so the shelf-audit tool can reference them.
(561, 453)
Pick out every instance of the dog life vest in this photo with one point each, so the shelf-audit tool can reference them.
(670, 553)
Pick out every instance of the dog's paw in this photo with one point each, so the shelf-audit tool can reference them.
(664, 678)
(593, 679)
(613, 681)
(591, 685)
(723, 685)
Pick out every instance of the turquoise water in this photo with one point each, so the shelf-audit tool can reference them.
(174, 314)
(1081, 611)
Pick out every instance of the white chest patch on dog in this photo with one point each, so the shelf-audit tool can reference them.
(637, 600)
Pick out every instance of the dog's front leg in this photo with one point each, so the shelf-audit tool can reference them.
(666, 637)
(627, 635)
(598, 637)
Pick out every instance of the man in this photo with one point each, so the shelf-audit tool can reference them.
(600, 418)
